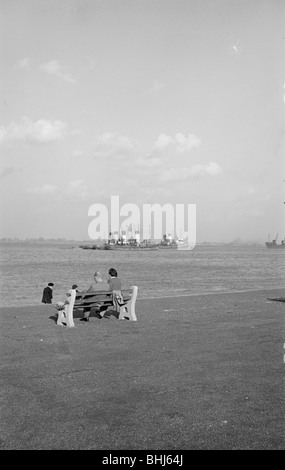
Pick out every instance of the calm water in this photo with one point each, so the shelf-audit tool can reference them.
(27, 268)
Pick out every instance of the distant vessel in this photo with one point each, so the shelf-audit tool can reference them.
(167, 243)
(183, 245)
(92, 247)
(123, 244)
(274, 243)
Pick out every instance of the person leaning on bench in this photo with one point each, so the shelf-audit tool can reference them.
(99, 285)
(115, 286)
(65, 309)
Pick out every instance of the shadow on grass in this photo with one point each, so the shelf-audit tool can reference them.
(78, 314)
(54, 318)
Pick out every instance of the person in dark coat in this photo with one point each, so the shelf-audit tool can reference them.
(47, 294)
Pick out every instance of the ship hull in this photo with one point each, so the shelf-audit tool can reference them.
(276, 247)
(167, 247)
(109, 247)
(133, 248)
(272, 246)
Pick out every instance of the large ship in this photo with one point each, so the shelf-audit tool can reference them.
(134, 243)
(274, 243)
(122, 245)
(130, 244)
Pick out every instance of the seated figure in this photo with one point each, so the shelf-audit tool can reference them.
(99, 285)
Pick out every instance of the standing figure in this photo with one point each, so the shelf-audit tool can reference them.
(65, 311)
(47, 294)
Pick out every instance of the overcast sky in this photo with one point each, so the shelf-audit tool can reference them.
(154, 101)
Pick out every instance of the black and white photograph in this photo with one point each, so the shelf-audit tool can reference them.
(142, 228)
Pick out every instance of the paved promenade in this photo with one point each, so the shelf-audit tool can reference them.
(201, 372)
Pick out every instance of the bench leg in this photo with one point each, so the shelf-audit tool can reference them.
(123, 312)
(61, 318)
(128, 310)
(69, 315)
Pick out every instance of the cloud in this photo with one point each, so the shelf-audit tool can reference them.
(23, 64)
(46, 189)
(235, 48)
(251, 202)
(113, 144)
(163, 141)
(76, 190)
(155, 87)
(54, 68)
(6, 171)
(165, 148)
(178, 144)
(149, 162)
(182, 173)
(72, 191)
(27, 131)
(251, 191)
(255, 213)
(77, 153)
(91, 63)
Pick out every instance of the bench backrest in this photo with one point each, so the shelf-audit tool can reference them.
(87, 299)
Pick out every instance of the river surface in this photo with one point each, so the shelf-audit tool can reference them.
(27, 267)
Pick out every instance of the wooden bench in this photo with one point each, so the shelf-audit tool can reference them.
(101, 300)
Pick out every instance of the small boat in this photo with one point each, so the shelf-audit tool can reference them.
(274, 243)
(88, 247)
(95, 247)
(167, 244)
(178, 244)
(183, 245)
